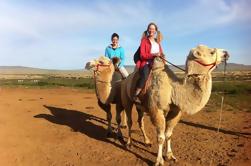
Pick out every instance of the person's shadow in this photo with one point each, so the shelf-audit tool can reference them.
(197, 125)
(83, 122)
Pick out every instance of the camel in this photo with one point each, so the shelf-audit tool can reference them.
(107, 90)
(109, 93)
(168, 97)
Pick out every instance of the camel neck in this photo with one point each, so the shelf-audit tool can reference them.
(197, 88)
(103, 90)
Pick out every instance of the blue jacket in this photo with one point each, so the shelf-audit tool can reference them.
(118, 52)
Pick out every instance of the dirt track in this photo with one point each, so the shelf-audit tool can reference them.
(65, 127)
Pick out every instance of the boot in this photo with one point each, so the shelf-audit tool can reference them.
(136, 96)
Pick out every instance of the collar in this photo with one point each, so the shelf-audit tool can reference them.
(110, 46)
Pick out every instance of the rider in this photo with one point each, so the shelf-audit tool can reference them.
(149, 48)
(115, 50)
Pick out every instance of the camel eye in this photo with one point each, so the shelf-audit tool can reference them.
(212, 52)
(198, 53)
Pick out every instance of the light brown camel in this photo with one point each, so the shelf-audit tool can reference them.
(111, 93)
(168, 97)
(107, 90)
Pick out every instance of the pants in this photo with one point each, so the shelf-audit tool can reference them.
(123, 71)
(144, 72)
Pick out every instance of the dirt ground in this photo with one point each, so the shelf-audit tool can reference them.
(65, 127)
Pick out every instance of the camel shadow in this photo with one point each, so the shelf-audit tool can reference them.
(236, 133)
(83, 122)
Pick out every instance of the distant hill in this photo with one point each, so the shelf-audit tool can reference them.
(234, 67)
(20, 72)
(130, 68)
(31, 70)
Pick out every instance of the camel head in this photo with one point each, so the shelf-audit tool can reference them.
(103, 68)
(94, 63)
(203, 60)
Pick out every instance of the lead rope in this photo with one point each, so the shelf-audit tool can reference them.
(162, 57)
(222, 102)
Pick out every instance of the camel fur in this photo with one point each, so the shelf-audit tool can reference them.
(107, 90)
(169, 97)
(108, 93)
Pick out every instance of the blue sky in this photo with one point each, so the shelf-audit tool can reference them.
(63, 34)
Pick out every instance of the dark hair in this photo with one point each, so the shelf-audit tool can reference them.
(114, 35)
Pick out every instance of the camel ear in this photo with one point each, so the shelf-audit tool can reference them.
(88, 65)
(196, 53)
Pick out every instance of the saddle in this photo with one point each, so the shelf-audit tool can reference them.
(147, 85)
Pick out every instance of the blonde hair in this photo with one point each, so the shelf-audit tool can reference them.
(159, 36)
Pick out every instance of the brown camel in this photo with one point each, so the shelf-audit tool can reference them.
(107, 90)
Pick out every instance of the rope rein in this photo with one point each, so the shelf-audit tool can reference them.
(161, 57)
(203, 64)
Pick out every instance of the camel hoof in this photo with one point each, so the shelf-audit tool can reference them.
(148, 145)
(109, 134)
(128, 145)
(120, 137)
(160, 162)
(171, 157)
(123, 126)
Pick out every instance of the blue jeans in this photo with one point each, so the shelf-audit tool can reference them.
(144, 72)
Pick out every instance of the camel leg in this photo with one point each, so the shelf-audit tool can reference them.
(129, 124)
(119, 109)
(159, 122)
(124, 120)
(172, 119)
(142, 127)
(107, 109)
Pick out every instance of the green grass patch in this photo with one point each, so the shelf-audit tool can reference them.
(232, 87)
(237, 96)
(51, 82)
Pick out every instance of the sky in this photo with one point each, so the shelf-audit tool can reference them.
(65, 34)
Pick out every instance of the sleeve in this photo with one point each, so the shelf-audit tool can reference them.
(144, 53)
(122, 57)
(107, 53)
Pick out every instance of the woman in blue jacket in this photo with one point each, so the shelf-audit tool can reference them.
(115, 50)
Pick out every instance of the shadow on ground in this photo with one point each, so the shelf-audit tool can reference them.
(83, 122)
(242, 134)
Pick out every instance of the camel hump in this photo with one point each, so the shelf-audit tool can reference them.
(115, 93)
(129, 84)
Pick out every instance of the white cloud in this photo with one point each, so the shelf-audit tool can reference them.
(208, 14)
(37, 22)
(35, 30)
